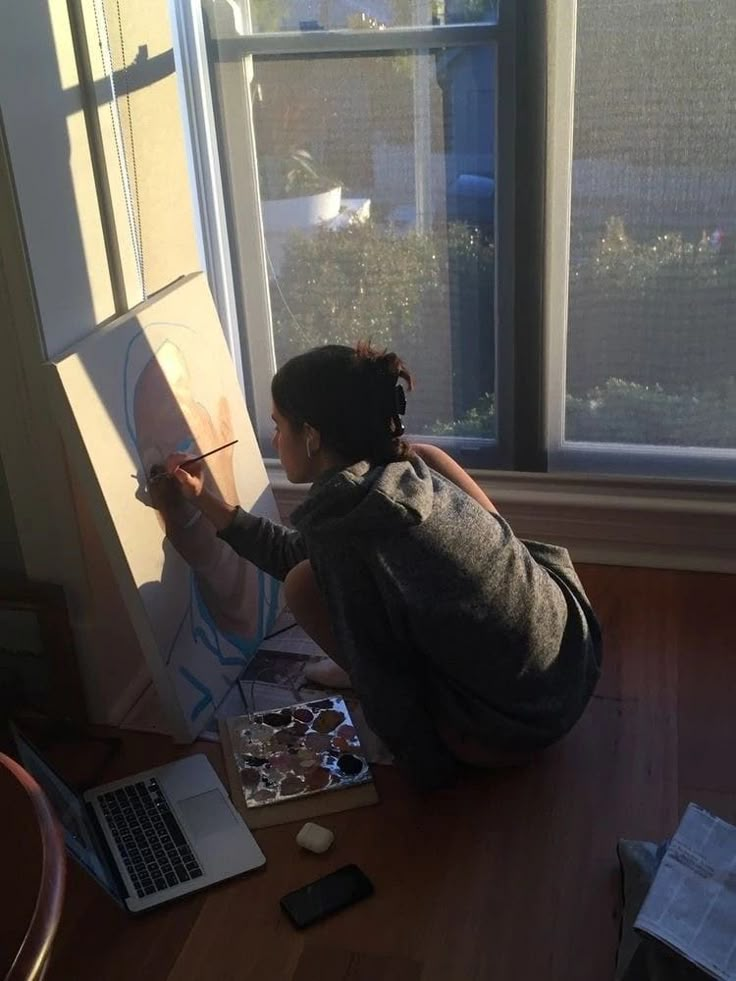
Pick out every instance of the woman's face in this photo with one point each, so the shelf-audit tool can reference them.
(291, 447)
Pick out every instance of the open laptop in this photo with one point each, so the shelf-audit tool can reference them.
(154, 836)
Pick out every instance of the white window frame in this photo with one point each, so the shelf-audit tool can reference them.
(624, 459)
(204, 167)
(255, 346)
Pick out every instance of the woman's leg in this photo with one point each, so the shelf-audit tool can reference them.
(306, 602)
(444, 465)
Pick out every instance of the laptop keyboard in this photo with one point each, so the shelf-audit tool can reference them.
(148, 837)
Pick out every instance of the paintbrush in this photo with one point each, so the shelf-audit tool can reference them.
(195, 459)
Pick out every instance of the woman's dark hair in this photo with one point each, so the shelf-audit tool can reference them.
(352, 396)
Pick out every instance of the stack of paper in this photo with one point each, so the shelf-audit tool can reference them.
(691, 905)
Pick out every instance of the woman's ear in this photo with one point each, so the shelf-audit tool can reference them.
(312, 439)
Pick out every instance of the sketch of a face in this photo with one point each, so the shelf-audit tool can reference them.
(168, 419)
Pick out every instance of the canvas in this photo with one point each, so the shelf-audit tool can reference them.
(156, 381)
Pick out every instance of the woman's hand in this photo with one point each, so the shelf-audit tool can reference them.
(190, 480)
(187, 487)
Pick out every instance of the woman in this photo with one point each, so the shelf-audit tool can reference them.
(462, 642)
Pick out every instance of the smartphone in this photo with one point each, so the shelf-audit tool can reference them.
(326, 896)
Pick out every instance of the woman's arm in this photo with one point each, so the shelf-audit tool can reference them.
(219, 512)
(444, 465)
(267, 544)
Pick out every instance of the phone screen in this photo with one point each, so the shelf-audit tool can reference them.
(327, 895)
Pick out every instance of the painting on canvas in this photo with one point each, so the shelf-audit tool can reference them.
(157, 381)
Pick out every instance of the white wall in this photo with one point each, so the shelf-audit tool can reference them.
(55, 288)
(46, 133)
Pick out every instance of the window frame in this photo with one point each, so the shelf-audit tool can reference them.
(623, 459)
(253, 307)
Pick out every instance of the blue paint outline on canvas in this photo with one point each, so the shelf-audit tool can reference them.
(267, 605)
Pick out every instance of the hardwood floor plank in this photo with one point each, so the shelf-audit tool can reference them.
(707, 688)
(722, 804)
(326, 964)
(105, 939)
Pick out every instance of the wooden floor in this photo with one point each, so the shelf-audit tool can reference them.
(511, 876)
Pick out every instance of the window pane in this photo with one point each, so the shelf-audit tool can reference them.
(314, 15)
(377, 192)
(652, 329)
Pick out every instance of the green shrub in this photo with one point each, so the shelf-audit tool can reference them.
(621, 263)
(345, 285)
(659, 335)
(480, 421)
(366, 281)
(428, 296)
(655, 313)
(625, 412)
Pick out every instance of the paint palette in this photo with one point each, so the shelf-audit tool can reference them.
(297, 751)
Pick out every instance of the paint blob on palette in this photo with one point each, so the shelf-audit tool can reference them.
(297, 751)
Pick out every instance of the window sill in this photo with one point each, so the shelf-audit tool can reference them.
(666, 524)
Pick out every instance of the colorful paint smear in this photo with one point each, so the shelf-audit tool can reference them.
(297, 751)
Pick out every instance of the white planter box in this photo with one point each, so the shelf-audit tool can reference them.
(287, 215)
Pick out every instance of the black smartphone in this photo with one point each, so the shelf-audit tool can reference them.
(326, 896)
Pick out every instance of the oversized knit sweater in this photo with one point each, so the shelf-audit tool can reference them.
(441, 615)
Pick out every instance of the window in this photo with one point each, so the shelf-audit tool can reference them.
(535, 204)
(651, 327)
(362, 169)
(376, 179)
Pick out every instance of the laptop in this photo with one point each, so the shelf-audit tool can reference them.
(152, 837)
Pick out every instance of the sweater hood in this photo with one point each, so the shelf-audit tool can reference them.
(365, 499)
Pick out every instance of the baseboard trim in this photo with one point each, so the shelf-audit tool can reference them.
(648, 522)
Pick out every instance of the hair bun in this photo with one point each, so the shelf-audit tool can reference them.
(385, 362)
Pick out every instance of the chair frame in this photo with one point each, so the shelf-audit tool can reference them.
(34, 952)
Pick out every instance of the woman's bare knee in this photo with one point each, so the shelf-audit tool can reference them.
(305, 600)
(300, 585)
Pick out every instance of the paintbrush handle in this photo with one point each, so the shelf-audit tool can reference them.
(203, 456)
(196, 459)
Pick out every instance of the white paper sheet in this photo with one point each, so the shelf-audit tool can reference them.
(691, 905)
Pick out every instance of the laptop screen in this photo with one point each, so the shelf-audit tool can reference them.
(79, 834)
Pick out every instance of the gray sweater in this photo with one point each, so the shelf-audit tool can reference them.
(440, 613)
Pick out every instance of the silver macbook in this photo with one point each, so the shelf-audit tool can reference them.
(154, 836)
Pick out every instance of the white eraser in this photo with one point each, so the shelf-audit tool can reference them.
(315, 838)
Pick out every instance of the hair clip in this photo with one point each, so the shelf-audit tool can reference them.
(400, 400)
(397, 426)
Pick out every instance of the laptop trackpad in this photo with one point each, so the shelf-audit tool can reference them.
(206, 814)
